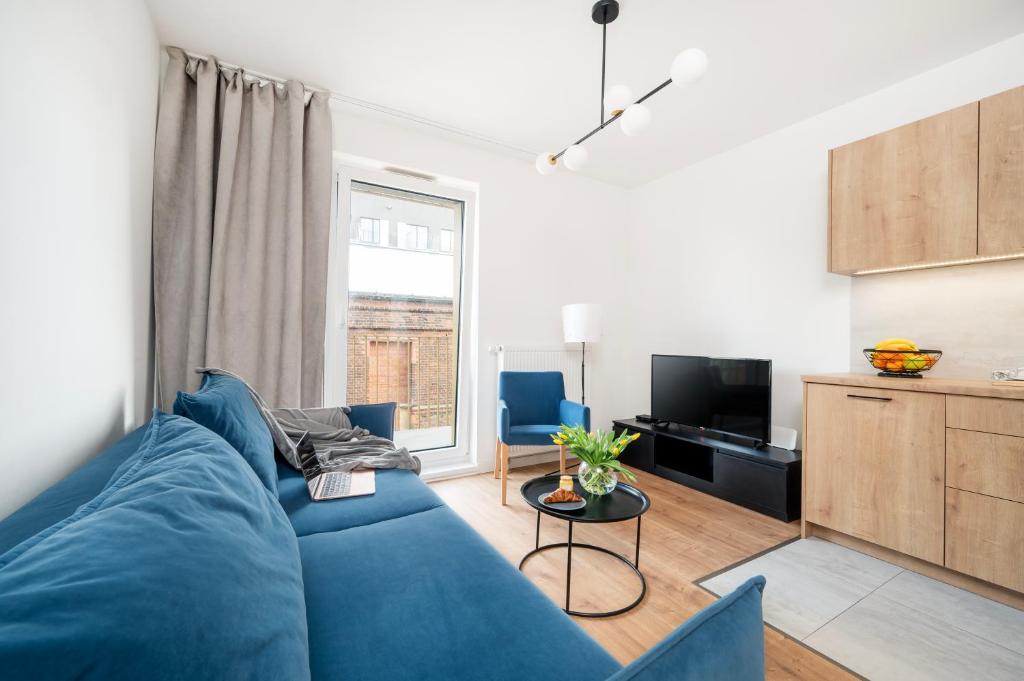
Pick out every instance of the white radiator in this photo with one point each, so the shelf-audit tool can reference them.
(566, 360)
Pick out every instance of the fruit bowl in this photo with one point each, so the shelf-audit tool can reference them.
(902, 363)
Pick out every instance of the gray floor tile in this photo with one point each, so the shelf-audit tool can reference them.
(809, 582)
(884, 640)
(955, 607)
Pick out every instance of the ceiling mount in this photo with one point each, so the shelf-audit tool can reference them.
(605, 11)
(688, 66)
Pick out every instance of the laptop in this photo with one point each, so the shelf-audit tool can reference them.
(325, 485)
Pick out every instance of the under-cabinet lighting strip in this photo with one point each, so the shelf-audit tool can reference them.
(945, 263)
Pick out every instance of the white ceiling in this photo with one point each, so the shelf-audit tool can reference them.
(527, 73)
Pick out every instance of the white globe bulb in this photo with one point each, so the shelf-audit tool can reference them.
(544, 164)
(575, 157)
(635, 119)
(688, 66)
(617, 98)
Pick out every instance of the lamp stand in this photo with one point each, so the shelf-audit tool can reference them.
(583, 373)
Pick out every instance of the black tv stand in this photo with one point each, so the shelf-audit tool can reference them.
(762, 478)
(711, 433)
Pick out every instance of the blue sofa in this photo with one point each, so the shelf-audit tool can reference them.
(395, 586)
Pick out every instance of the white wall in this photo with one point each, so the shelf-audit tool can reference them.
(727, 256)
(543, 242)
(76, 173)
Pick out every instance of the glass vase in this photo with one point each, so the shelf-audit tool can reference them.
(597, 480)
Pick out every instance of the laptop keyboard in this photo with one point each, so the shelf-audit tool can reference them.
(336, 484)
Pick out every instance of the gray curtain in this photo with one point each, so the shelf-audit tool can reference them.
(241, 222)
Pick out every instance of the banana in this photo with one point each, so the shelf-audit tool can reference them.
(896, 344)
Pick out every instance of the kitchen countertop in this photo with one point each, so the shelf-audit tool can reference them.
(976, 387)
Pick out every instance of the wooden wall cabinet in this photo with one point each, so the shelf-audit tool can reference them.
(926, 473)
(908, 196)
(943, 190)
(1001, 178)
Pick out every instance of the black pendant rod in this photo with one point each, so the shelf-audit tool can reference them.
(605, 12)
(604, 53)
(612, 119)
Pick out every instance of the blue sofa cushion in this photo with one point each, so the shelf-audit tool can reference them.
(722, 642)
(223, 405)
(448, 608)
(62, 499)
(183, 567)
(399, 493)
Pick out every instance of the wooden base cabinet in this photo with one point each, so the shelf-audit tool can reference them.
(985, 538)
(878, 473)
(928, 470)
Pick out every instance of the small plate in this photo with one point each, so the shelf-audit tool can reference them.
(566, 506)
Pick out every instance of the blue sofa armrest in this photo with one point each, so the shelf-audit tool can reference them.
(504, 421)
(379, 419)
(722, 642)
(574, 414)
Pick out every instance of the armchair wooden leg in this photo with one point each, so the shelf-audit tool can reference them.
(561, 458)
(504, 474)
(497, 458)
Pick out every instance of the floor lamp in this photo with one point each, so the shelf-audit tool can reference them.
(581, 323)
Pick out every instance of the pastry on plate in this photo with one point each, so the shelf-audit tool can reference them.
(562, 496)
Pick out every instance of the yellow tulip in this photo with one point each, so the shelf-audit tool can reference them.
(615, 451)
(635, 436)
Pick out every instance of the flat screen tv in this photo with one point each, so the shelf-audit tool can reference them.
(727, 395)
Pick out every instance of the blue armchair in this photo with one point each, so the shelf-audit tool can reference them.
(531, 408)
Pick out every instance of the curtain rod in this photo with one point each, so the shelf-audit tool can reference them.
(256, 75)
(352, 101)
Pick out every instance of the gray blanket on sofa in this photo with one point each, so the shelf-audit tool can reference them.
(339, 445)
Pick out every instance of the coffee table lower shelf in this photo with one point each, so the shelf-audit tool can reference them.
(569, 546)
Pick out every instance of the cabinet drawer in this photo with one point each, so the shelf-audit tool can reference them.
(874, 464)
(985, 463)
(985, 538)
(985, 414)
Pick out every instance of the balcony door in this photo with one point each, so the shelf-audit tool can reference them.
(395, 330)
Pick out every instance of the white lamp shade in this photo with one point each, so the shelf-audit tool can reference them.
(581, 322)
(544, 165)
(688, 66)
(617, 98)
(575, 157)
(635, 119)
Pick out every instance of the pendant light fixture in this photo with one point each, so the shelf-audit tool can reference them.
(618, 103)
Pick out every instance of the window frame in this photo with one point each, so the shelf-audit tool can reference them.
(438, 461)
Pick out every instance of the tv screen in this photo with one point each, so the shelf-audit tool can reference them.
(730, 395)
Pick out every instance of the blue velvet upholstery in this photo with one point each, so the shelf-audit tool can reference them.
(538, 434)
(448, 608)
(178, 563)
(379, 419)
(399, 493)
(64, 498)
(223, 405)
(182, 567)
(532, 407)
(722, 642)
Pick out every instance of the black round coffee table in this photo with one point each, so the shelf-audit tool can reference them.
(625, 502)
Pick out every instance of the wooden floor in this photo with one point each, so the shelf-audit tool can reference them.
(686, 535)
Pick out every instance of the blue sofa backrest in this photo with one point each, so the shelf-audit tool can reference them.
(722, 642)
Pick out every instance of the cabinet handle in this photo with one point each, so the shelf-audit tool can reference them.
(869, 397)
